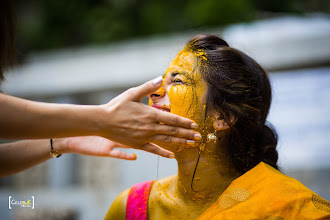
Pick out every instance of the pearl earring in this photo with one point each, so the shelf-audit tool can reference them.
(212, 137)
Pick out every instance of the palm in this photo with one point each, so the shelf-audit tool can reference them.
(97, 146)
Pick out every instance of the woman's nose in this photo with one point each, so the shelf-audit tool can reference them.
(160, 93)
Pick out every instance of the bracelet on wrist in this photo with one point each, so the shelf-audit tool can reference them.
(53, 153)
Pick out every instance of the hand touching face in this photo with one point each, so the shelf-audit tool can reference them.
(183, 89)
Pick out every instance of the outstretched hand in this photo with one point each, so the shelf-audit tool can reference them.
(92, 146)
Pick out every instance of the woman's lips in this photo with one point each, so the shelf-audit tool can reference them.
(161, 107)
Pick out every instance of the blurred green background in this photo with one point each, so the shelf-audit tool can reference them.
(50, 24)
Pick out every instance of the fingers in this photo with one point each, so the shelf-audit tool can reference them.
(117, 145)
(137, 93)
(121, 155)
(171, 140)
(153, 148)
(178, 132)
(175, 120)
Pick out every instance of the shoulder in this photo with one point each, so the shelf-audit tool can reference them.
(287, 193)
(136, 194)
(117, 209)
(162, 187)
(163, 183)
(282, 186)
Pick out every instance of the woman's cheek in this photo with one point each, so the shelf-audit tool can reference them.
(182, 101)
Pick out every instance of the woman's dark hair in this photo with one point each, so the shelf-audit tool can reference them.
(7, 35)
(238, 85)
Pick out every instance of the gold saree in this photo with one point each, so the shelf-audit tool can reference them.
(265, 193)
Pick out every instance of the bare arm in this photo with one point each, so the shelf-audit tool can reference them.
(24, 119)
(21, 155)
(117, 209)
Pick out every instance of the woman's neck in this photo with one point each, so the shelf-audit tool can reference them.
(213, 174)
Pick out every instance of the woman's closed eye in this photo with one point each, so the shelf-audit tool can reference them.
(177, 81)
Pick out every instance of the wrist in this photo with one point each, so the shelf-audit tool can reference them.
(103, 120)
(96, 117)
(61, 145)
(82, 120)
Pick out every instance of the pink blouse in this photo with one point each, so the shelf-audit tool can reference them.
(137, 201)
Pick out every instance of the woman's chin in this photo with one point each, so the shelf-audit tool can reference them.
(176, 148)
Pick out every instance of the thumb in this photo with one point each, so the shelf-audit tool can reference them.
(146, 89)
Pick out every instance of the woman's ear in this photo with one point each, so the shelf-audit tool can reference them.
(220, 124)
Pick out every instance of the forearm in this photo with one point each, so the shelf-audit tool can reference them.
(21, 155)
(24, 119)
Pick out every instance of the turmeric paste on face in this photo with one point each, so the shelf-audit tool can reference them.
(184, 87)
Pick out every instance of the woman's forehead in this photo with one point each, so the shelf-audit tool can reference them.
(183, 62)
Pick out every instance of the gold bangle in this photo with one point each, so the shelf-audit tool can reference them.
(53, 153)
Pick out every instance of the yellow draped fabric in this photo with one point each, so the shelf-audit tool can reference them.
(265, 193)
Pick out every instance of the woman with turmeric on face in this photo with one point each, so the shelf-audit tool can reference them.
(231, 172)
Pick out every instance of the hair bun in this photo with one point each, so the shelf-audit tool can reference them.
(267, 141)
